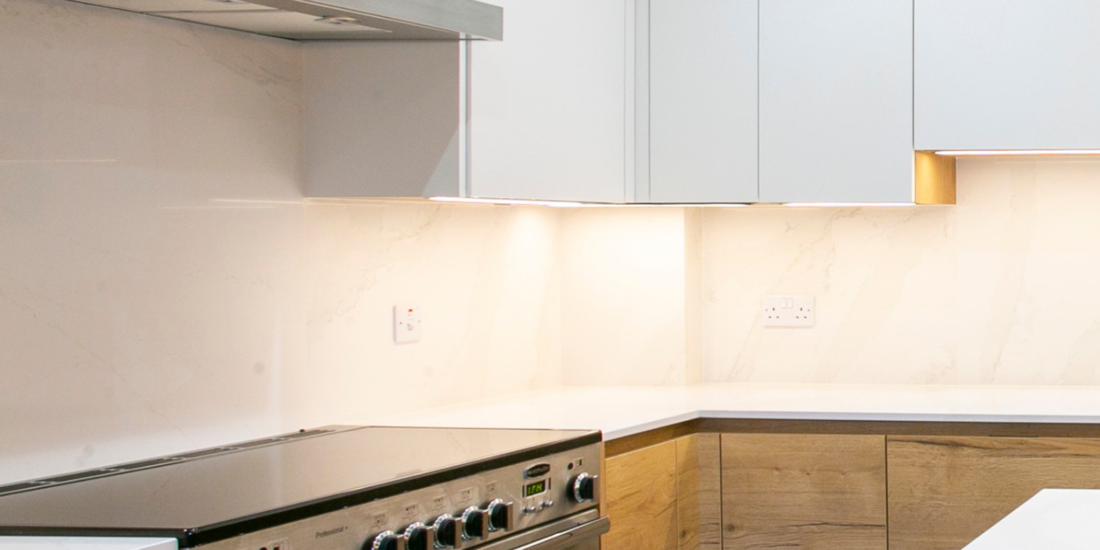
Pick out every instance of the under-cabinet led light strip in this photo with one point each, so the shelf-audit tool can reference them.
(1035, 152)
(848, 204)
(566, 204)
(511, 202)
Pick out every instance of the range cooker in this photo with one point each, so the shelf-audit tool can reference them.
(337, 488)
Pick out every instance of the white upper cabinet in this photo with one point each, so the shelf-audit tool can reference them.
(836, 101)
(702, 101)
(548, 103)
(540, 115)
(1007, 74)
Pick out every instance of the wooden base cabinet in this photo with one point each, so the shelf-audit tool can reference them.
(640, 499)
(754, 491)
(946, 491)
(665, 497)
(803, 491)
(699, 492)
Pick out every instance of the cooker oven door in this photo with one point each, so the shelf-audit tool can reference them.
(578, 532)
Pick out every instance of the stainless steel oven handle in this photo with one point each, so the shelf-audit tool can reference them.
(565, 538)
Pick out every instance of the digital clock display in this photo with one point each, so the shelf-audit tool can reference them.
(535, 488)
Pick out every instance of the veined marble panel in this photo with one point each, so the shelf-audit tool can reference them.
(164, 286)
(487, 279)
(149, 228)
(624, 297)
(1000, 289)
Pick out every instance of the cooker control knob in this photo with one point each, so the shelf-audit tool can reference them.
(585, 487)
(388, 541)
(448, 532)
(476, 523)
(419, 537)
(500, 515)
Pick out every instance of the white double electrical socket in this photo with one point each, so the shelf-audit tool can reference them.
(406, 324)
(788, 311)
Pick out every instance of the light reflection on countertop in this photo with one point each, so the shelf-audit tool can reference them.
(1054, 518)
(623, 411)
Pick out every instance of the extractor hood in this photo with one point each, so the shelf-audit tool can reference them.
(333, 19)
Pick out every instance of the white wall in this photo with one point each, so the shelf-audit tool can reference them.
(163, 286)
(625, 297)
(488, 281)
(1001, 289)
(149, 235)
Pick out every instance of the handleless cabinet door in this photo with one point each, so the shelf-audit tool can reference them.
(640, 499)
(702, 78)
(1007, 74)
(818, 491)
(699, 492)
(666, 496)
(946, 491)
(548, 103)
(836, 110)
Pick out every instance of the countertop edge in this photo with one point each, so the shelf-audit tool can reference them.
(671, 420)
(626, 411)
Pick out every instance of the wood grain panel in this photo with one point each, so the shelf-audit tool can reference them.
(945, 491)
(601, 483)
(699, 492)
(641, 499)
(803, 491)
(853, 427)
(871, 427)
(622, 445)
(934, 179)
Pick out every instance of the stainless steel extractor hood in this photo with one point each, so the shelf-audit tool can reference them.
(333, 19)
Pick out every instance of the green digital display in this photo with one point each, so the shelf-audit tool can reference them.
(534, 488)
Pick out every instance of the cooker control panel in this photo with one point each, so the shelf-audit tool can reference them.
(454, 515)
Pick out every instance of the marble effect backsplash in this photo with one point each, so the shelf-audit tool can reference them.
(1000, 289)
(164, 286)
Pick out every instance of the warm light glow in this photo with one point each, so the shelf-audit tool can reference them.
(511, 202)
(1036, 152)
(672, 205)
(57, 161)
(849, 204)
(564, 204)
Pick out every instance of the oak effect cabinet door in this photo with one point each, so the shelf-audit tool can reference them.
(666, 496)
(699, 492)
(640, 491)
(702, 93)
(946, 491)
(1007, 74)
(803, 491)
(836, 101)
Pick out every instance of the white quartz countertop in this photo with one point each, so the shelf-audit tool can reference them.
(1064, 519)
(85, 543)
(623, 411)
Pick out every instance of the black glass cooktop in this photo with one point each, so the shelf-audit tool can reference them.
(209, 498)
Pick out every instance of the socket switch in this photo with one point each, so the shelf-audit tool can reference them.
(788, 311)
(406, 324)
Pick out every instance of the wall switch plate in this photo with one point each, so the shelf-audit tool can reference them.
(788, 311)
(406, 324)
